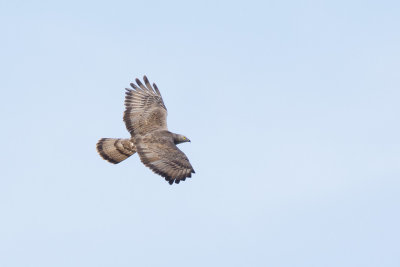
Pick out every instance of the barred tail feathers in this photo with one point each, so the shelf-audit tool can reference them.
(115, 150)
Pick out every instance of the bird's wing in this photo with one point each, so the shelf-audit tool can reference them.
(144, 109)
(164, 158)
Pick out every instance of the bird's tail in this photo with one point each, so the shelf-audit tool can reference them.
(115, 150)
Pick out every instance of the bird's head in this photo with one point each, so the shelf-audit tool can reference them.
(180, 139)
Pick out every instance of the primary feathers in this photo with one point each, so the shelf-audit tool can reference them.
(145, 118)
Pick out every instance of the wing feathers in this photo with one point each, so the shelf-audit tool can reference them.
(146, 81)
(144, 109)
(156, 88)
(133, 86)
(143, 87)
(164, 158)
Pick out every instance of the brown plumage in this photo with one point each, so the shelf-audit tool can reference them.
(115, 150)
(145, 118)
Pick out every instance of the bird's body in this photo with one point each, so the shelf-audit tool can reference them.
(145, 118)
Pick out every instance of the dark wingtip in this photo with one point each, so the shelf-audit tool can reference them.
(156, 88)
(171, 182)
(193, 171)
(133, 86)
(138, 81)
(140, 84)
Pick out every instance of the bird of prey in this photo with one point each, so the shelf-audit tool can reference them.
(145, 118)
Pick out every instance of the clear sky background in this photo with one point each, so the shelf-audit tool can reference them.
(293, 112)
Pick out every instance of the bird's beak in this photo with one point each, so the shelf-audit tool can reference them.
(189, 140)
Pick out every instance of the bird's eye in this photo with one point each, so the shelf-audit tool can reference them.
(184, 138)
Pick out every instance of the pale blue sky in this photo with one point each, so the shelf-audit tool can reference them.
(293, 112)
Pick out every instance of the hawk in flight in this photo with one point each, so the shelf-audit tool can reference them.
(145, 118)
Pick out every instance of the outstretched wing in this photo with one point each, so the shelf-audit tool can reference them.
(164, 158)
(144, 109)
